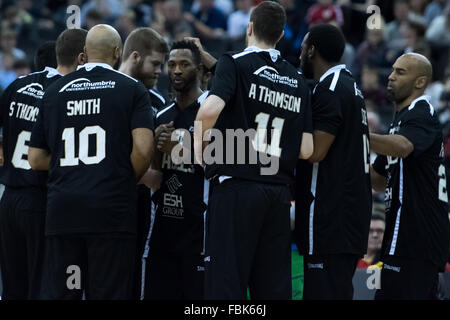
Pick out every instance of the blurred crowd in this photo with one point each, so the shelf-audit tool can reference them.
(421, 26)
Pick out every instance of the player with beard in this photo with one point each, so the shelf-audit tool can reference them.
(23, 205)
(334, 194)
(176, 248)
(142, 58)
(411, 171)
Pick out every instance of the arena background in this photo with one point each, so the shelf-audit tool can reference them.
(377, 32)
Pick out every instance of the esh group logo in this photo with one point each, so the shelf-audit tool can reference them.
(82, 84)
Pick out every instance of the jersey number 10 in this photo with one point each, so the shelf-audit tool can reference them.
(68, 136)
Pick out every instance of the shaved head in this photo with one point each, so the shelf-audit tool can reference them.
(420, 64)
(411, 74)
(103, 43)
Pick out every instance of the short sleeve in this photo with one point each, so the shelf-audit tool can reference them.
(142, 115)
(38, 137)
(379, 165)
(224, 80)
(326, 111)
(420, 128)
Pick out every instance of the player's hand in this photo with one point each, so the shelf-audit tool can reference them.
(163, 128)
(196, 42)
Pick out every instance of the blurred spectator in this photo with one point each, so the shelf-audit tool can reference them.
(438, 33)
(415, 37)
(126, 23)
(93, 17)
(238, 20)
(434, 9)
(226, 6)
(22, 23)
(393, 35)
(443, 111)
(107, 9)
(323, 12)
(417, 10)
(372, 89)
(376, 232)
(21, 68)
(373, 51)
(7, 74)
(142, 12)
(8, 43)
(175, 26)
(209, 22)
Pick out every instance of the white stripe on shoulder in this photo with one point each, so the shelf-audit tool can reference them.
(31, 74)
(203, 96)
(124, 75)
(158, 95)
(335, 80)
(165, 109)
(241, 54)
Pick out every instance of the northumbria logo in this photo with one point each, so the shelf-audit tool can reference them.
(272, 74)
(33, 89)
(82, 84)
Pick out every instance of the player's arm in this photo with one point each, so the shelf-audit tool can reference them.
(141, 153)
(207, 59)
(206, 118)
(394, 145)
(322, 142)
(39, 159)
(378, 181)
(307, 146)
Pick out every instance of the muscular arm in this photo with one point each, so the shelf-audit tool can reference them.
(307, 146)
(394, 145)
(322, 143)
(39, 159)
(142, 151)
(378, 181)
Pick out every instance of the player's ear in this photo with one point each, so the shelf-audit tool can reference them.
(250, 28)
(136, 57)
(421, 82)
(311, 51)
(81, 59)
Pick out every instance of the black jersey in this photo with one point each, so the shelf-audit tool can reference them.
(19, 108)
(181, 200)
(157, 100)
(86, 122)
(416, 200)
(268, 99)
(334, 196)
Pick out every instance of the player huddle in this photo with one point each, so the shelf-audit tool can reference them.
(93, 179)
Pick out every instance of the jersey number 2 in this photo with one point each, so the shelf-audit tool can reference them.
(442, 184)
(258, 141)
(68, 136)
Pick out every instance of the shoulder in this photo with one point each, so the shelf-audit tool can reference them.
(156, 95)
(420, 109)
(166, 112)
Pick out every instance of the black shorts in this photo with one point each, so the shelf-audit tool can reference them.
(22, 222)
(174, 277)
(410, 279)
(329, 277)
(100, 265)
(248, 241)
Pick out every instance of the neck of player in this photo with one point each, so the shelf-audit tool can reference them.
(262, 45)
(321, 68)
(187, 97)
(399, 105)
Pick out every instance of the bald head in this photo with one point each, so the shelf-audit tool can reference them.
(103, 44)
(419, 64)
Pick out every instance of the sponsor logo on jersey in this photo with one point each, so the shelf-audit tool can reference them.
(272, 75)
(34, 90)
(83, 84)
